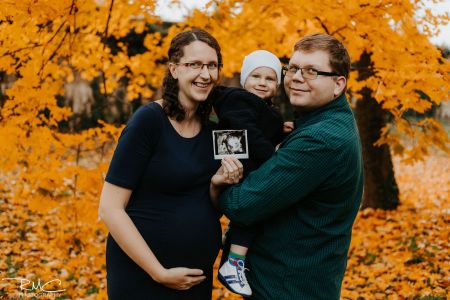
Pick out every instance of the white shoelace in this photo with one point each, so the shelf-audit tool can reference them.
(241, 272)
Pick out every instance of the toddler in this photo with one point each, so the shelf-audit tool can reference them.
(250, 108)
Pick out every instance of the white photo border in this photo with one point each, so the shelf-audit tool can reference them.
(216, 146)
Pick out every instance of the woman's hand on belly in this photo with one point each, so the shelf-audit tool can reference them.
(180, 278)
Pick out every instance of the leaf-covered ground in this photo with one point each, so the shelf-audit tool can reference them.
(399, 254)
(404, 253)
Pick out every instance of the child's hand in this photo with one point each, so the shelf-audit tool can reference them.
(288, 126)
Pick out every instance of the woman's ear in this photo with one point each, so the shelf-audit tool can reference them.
(339, 85)
(173, 70)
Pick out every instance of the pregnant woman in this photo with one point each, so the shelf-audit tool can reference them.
(164, 233)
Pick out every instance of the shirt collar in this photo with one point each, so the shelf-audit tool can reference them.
(339, 102)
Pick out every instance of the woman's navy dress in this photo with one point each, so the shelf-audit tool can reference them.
(170, 205)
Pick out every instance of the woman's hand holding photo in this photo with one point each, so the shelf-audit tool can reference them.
(231, 171)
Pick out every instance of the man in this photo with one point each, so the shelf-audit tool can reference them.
(305, 198)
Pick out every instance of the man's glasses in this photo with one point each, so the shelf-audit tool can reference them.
(212, 66)
(307, 73)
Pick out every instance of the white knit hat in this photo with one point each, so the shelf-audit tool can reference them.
(260, 58)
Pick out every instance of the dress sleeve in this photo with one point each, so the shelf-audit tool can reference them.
(135, 147)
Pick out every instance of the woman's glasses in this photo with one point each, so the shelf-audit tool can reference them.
(196, 65)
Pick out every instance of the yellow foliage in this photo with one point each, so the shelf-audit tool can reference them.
(408, 72)
(399, 254)
(50, 181)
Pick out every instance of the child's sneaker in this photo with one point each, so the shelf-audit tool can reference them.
(232, 276)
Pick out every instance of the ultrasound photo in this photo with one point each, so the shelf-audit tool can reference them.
(230, 143)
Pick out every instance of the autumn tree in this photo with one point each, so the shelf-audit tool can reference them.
(394, 68)
(54, 176)
(43, 44)
(57, 176)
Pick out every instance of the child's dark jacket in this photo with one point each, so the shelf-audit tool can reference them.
(237, 108)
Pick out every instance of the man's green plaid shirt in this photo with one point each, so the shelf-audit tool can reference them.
(303, 201)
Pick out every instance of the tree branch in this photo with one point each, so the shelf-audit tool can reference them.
(72, 36)
(105, 33)
(21, 49)
(338, 30)
(53, 53)
(72, 6)
(105, 38)
(323, 25)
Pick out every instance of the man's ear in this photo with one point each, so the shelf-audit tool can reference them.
(339, 85)
(173, 70)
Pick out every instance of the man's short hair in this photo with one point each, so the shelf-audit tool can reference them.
(339, 58)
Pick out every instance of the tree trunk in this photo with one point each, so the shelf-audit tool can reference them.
(380, 186)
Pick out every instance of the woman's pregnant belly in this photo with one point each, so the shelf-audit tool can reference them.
(181, 233)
